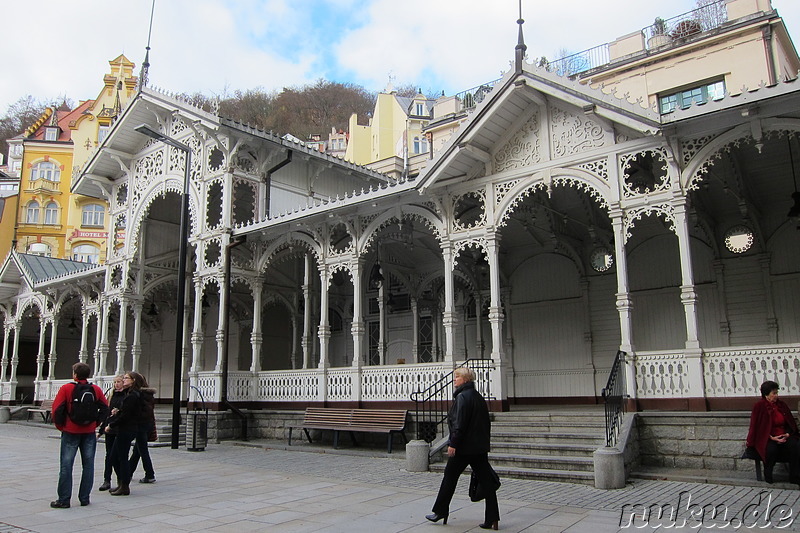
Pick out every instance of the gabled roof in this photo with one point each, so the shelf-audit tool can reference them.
(33, 270)
(515, 92)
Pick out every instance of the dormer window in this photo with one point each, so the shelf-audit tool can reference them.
(51, 133)
(692, 95)
(420, 109)
(102, 132)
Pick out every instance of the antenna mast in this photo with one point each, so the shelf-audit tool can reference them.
(146, 63)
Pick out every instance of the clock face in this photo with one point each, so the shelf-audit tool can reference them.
(739, 239)
(601, 259)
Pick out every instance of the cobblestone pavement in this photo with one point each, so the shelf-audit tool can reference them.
(264, 487)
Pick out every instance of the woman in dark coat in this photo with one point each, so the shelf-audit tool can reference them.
(470, 431)
(115, 396)
(147, 423)
(125, 421)
(773, 433)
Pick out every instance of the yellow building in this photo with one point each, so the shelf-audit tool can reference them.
(395, 131)
(50, 220)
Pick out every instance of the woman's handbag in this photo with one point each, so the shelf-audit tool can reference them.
(153, 435)
(477, 492)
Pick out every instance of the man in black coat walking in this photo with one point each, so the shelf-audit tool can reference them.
(470, 432)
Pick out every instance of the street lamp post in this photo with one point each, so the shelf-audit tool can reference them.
(182, 252)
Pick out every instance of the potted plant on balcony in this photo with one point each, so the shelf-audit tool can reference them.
(658, 34)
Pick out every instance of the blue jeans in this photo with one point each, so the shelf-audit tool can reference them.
(70, 444)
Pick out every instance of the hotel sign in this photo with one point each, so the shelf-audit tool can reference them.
(77, 234)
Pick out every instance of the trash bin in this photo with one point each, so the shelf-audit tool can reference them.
(197, 431)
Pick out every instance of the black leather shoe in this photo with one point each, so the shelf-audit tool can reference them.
(435, 517)
(105, 486)
(56, 504)
(490, 525)
(147, 480)
(84, 503)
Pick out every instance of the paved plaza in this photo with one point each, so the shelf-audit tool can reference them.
(261, 486)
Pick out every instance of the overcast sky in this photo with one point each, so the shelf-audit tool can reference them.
(54, 48)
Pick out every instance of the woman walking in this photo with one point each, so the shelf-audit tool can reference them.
(125, 420)
(147, 424)
(114, 396)
(470, 430)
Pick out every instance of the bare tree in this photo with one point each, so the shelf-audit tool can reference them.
(19, 116)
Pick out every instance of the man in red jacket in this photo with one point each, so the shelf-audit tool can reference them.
(76, 436)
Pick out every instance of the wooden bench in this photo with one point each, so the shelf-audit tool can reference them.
(45, 410)
(352, 421)
(751, 453)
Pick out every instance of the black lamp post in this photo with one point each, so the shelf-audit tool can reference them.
(182, 252)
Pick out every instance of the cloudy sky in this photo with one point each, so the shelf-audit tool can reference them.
(54, 48)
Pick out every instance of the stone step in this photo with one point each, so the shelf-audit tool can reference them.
(564, 476)
(717, 477)
(542, 462)
(557, 449)
(549, 438)
(550, 427)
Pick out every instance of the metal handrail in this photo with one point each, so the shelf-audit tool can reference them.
(614, 398)
(433, 403)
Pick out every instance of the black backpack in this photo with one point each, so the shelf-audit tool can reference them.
(85, 409)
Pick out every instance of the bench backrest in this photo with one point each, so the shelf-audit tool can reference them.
(46, 404)
(355, 418)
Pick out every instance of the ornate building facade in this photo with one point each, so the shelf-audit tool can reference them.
(558, 225)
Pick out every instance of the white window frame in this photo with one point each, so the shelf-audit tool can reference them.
(93, 215)
(51, 213)
(86, 253)
(46, 170)
(32, 212)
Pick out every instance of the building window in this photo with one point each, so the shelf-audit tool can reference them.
(46, 170)
(93, 215)
(420, 145)
(86, 253)
(32, 213)
(695, 95)
(51, 134)
(420, 109)
(102, 132)
(51, 213)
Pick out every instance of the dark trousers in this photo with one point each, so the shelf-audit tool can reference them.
(119, 453)
(140, 450)
(788, 452)
(452, 472)
(110, 438)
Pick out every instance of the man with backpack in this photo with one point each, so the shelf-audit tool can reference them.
(77, 409)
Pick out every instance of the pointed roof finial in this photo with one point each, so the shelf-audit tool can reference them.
(520, 49)
(146, 63)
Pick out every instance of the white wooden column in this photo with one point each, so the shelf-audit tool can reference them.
(83, 355)
(4, 360)
(449, 319)
(104, 338)
(693, 352)
(220, 338)
(256, 337)
(306, 340)
(324, 327)
(40, 353)
(382, 323)
(15, 353)
(414, 330)
(98, 371)
(122, 342)
(496, 317)
(136, 347)
(624, 302)
(479, 346)
(357, 329)
(295, 341)
(52, 358)
(197, 330)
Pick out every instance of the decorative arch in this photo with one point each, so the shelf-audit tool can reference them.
(590, 183)
(286, 240)
(437, 226)
(160, 189)
(665, 210)
(707, 156)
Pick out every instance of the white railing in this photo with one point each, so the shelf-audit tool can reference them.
(727, 372)
(377, 383)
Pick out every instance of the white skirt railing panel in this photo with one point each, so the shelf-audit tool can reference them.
(397, 382)
(239, 386)
(47, 389)
(288, 386)
(340, 384)
(7, 391)
(661, 375)
(741, 371)
(209, 385)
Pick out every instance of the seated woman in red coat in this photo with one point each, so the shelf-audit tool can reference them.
(773, 433)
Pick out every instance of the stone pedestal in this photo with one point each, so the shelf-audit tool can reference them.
(609, 468)
(5, 415)
(417, 456)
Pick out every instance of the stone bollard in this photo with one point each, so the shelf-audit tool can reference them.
(609, 468)
(5, 414)
(417, 456)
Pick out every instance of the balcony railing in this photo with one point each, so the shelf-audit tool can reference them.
(661, 33)
(472, 97)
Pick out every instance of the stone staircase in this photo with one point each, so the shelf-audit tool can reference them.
(164, 426)
(548, 444)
